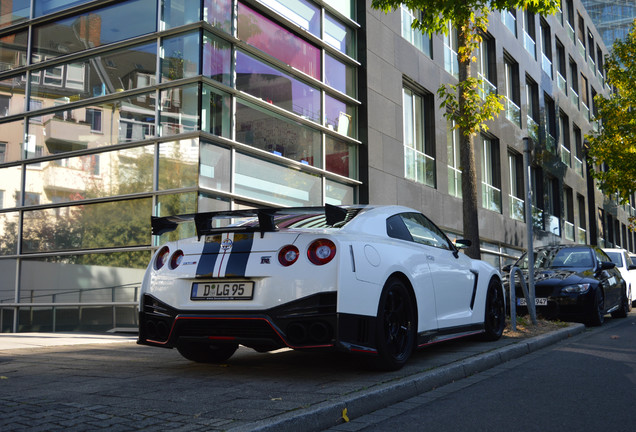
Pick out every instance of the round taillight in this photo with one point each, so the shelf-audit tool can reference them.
(162, 257)
(176, 259)
(321, 251)
(288, 255)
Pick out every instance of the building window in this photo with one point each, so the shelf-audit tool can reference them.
(561, 69)
(552, 205)
(546, 48)
(1, 199)
(569, 24)
(454, 160)
(580, 40)
(529, 34)
(515, 163)
(511, 90)
(422, 41)
(3, 152)
(509, 18)
(581, 235)
(419, 148)
(585, 105)
(564, 139)
(94, 118)
(569, 214)
(550, 123)
(532, 98)
(450, 50)
(4, 105)
(487, 65)
(491, 175)
(579, 168)
(574, 83)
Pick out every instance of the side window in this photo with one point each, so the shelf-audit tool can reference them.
(424, 231)
(601, 256)
(395, 228)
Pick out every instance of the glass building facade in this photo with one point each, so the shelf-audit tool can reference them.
(114, 111)
(612, 18)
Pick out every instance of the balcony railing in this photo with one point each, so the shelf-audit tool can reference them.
(578, 166)
(550, 143)
(581, 46)
(559, 15)
(486, 87)
(570, 30)
(546, 64)
(510, 21)
(419, 166)
(562, 83)
(516, 208)
(530, 44)
(574, 98)
(569, 231)
(450, 61)
(552, 224)
(513, 112)
(491, 197)
(592, 64)
(566, 155)
(586, 110)
(533, 129)
(581, 236)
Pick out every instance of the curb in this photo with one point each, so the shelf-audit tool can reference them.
(328, 414)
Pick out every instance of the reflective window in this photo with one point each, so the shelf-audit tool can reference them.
(276, 41)
(175, 13)
(100, 75)
(180, 56)
(44, 7)
(99, 27)
(94, 176)
(12, 95)
(12, 135)
(419, 145)
(13, 50)
(277, 135)
(340, 76)
(218, 13)
(14, 12)
(339, 116)
(345, 7)
(88, 226)
(339, 194)
(421, 41)
(424, 231)
(179, 110)
(7, 286)
(215, 111)
(339, 36)
(304, 14)
(178, 164)
(112, 122)
(209, 203)
(217, 59)
(258, 179)
(271, 85)
(9, 223)
(177, 204)
(340, 157)
(215, 167)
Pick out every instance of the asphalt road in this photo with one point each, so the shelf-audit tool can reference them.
(586, 383)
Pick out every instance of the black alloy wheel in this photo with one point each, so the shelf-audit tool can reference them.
(396, 326)
(623, 309)
(597, 314)
(202, 352)
(495, 314)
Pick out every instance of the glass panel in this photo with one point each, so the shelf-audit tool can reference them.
(340, 76)
(339, 194)
(6, 320)
(125, 69)
(278, 88)
(94, 176)
(177, 204)
(14, 12)
(11, 135)
(95, 28)
(345, 7)
(178, 164)
(276, 41)
(180, 57)
(88, 226)
(218, 13)
(12, 91)
(217, 59)
(340, 157)
(301, 12)
(215, 167)
(339, 36)
(215, 112)
(179, 110)
(122, 121)
(13, 50)
(44, 7)
(9, 223)
(265, 181)
(340, 116)
(175, 13)
(208, 203)
(272, 133)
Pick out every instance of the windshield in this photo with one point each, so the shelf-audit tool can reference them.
(559, 258)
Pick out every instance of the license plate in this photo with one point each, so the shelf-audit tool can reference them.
(521, 301)
(226, 290)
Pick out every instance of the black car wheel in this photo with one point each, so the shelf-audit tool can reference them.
(597, 314)
(495, 318)
(623, 309)
(396, 326)
(206, 353)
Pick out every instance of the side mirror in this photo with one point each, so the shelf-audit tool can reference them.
(607, 265)
(632, 267)
(462, 243)
(506, 268)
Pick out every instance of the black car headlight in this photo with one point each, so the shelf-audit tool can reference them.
(576, 289)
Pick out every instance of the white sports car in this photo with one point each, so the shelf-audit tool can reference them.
(376, 280)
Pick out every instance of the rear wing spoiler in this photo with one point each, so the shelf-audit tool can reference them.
(265, 216)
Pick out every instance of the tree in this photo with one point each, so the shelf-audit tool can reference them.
(613, 148)
(462, 102)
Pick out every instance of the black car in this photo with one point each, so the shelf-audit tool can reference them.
(574, 283)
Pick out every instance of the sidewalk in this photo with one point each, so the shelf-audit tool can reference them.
(11, 341)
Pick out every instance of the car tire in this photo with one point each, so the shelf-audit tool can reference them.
(597, 314)
(206, 353)
(623, 309)
(495, 312)
(396, 326)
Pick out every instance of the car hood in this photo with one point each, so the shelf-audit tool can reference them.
(562, 276)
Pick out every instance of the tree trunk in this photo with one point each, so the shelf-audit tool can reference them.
(467, 160)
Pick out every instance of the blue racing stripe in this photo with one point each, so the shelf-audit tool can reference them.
(241, 249)
(209, 255)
